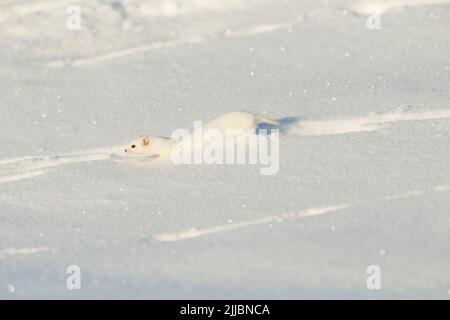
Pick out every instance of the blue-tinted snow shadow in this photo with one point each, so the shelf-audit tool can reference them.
(285, 124)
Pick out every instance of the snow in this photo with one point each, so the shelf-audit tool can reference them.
(364, 173)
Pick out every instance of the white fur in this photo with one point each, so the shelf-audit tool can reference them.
(157, 146)
(238, 120)
(162, 147)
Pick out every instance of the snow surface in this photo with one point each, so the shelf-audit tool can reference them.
(364, 149)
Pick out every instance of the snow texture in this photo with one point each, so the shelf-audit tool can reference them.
(364, 173)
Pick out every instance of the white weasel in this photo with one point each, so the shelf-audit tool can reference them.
(162, 147)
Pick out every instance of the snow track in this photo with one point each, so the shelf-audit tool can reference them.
(195, 40)
(17, 169)
(196, 233)
(7, 252)
(372, 122)
(203, 232)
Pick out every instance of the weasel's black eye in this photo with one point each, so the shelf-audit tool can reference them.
(133, 146)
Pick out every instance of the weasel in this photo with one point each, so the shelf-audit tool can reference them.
(162, 147)
(155, 145)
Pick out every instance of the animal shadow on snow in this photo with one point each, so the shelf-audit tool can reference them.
(283, 127)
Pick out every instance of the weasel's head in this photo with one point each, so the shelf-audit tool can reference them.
(138, 146)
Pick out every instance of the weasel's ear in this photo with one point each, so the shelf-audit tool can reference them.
(145, 141)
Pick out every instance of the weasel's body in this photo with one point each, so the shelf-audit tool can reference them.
(162, 147)
(238, 120)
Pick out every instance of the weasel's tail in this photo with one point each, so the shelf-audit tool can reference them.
(267, 120)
